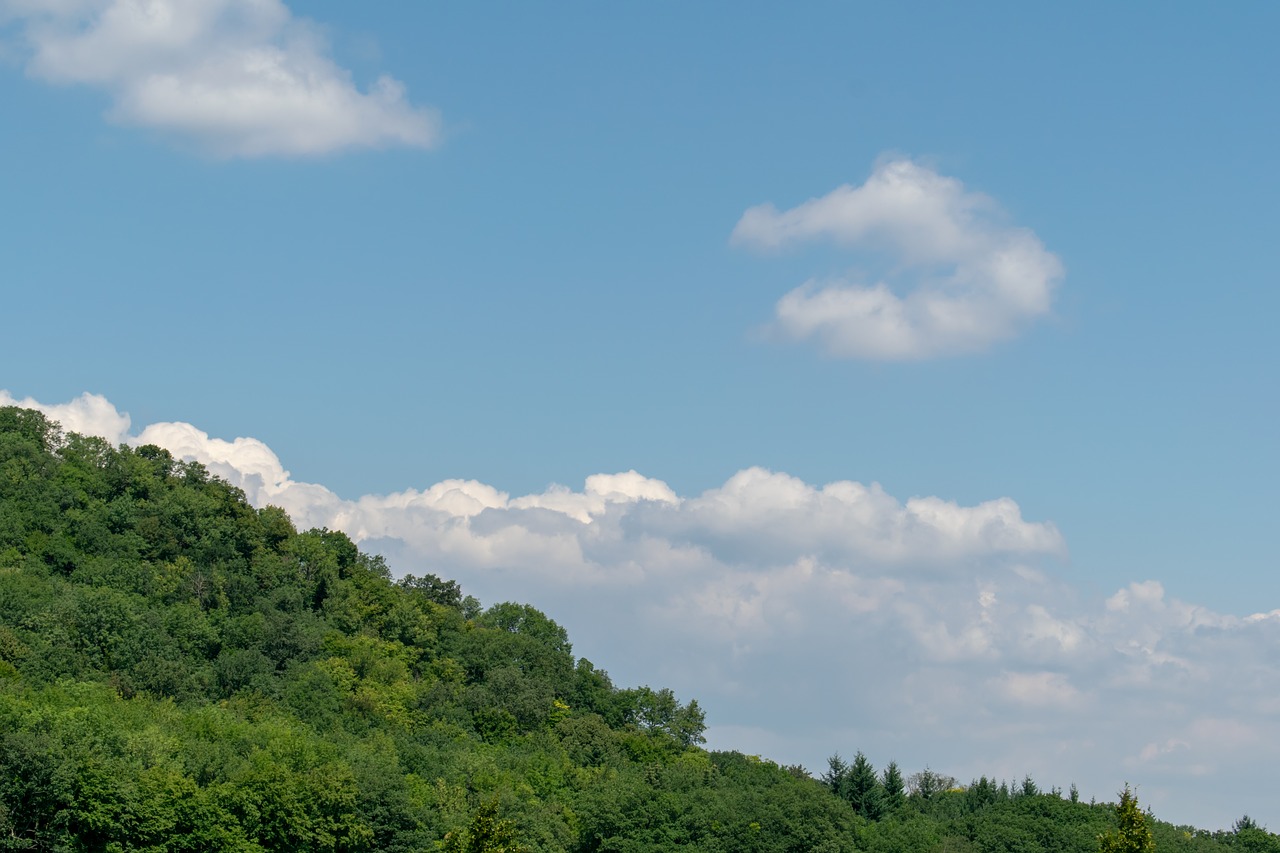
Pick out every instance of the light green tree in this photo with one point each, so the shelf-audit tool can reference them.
(1132, 835)
(486, 834)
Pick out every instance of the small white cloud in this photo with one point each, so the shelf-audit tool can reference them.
(1037, 689)
(238, 77)
(599, 492)
(970, 279)
(1154, 750)
(1147, 593)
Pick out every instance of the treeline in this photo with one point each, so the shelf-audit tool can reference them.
(180, 671)
(931, 811)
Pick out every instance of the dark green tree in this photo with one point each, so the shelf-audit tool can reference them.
(837, 773)
(862, 789)
(981, 793)
(1029, 786)
(446, 593)
(1248, 836)
(894, 787)
(658, 711)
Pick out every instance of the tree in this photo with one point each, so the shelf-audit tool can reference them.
(981, 793)
(1029, 786)
(433, 588)
(1132, 835)
(659, 711)
(837, 772)
(486, 834)
(927, 783)
(1248, 836)
(894, 787)
(862, 789)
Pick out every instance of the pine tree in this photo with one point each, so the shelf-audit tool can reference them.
(981, 794)
(1132, 835)
(894, 787)
(836, 775)
(863, 790)
(1029, 787)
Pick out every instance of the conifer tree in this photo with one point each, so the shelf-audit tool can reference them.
(894, 787)
(1132, 835)
(863, 790)
(836, 775)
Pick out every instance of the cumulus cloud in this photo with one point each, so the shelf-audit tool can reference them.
(812, 618)
(755, 519)
(238, 77)
(962, 278)
(88, 414)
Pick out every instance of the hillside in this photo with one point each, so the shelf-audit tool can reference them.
(181, 671)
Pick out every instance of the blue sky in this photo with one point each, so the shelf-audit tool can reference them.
(525, 258)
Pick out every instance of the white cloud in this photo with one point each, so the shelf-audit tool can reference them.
(238, 77)
(1037, 689)
(88, 414)
(813, 618)
(970, 279)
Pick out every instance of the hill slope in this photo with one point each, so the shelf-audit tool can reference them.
(180, 671)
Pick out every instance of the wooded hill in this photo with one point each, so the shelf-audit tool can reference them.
(180, 671)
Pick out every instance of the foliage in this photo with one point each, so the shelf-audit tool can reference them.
(486, 834)
(894, 787)
(1132, 835)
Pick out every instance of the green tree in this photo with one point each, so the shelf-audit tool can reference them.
(1132, 835)
(862, 789)
(486, 834)
(1029, 786)
(433, 588)
(658, 711)
(837, 773)
(894, 787)
(1248, 836)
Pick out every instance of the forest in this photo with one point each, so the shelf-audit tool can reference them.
(181, 671)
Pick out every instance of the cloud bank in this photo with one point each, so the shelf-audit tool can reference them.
(963, 279)
(240, 78)
(814, 618)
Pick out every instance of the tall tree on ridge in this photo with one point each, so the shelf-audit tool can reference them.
(1132, 835)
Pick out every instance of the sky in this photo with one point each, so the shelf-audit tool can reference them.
(898, 380)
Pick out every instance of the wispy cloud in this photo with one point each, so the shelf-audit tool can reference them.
(809, 618)
(962, 277)
(241, 78)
